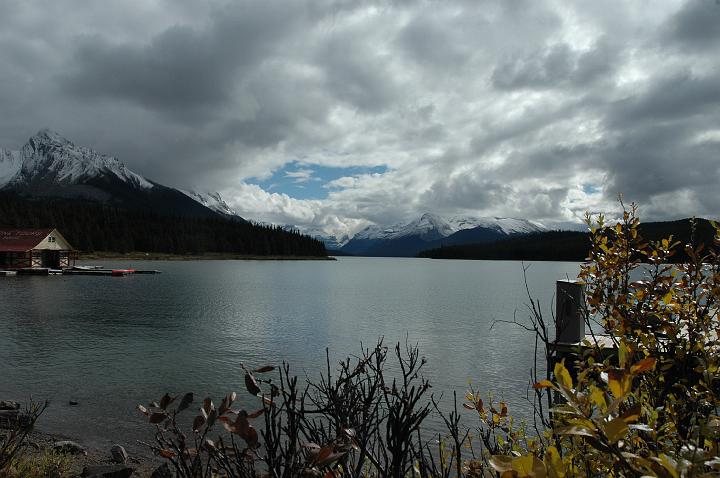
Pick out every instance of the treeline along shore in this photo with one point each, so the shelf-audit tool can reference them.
(574, 246)
(93, 227)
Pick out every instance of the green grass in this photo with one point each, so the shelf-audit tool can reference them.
(38, 465)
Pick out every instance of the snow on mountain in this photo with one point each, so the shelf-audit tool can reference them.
(431, 226)
(431, 230)
(10, 164)
(331, 241)
(211, 201)
(506, 225)
(49, 157)
(428, 227)
(374, 231)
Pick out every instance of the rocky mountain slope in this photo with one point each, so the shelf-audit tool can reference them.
(49, 165)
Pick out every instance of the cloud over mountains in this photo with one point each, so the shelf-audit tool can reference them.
(536, 109)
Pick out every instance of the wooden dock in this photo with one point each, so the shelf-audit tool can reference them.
(108, 272)
(77, 271)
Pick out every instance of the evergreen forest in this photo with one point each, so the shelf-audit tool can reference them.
(94, 227)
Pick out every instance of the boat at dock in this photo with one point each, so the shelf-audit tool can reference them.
(122, 272)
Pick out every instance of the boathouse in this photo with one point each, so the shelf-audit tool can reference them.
(35, 248)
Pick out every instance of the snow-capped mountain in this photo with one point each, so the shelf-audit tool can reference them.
(431, 226)
(506, 225)
(48, 157)
(10, 164)
(431, 230)
(428, 227)
(331, 241)
(375, 232)
(211, 201)
(49, 165)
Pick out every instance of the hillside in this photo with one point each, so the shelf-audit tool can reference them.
(567, 245)
(93, 226)
(51, 166)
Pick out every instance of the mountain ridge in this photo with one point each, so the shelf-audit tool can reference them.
(431, 230)
(49, 156)
(50, 165)
(574, 245)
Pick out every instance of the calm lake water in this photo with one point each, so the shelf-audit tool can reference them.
(113, 342)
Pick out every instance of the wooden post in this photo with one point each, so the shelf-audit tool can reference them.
(569, 320)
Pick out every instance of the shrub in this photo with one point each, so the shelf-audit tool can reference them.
(13, 442)
(647, 406)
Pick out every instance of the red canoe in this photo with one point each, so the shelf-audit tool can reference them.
(122, 272)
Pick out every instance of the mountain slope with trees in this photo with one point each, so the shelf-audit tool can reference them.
(570, 245)
(93, 226)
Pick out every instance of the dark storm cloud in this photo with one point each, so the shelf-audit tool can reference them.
(183, 70)
(655, 147)
(355, 72)
(678, 97)
(551, 162)
(524, 108)
(465, 191)
(653, 160)
(556, 66)
(696, 25)
(427, 40)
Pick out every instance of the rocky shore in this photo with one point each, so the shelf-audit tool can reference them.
(78, 460)
(106, 463)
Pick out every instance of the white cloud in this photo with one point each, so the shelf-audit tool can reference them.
(300, 176)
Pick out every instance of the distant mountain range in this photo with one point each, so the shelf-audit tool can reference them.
(574, 245)
(426, 232)
(49, 165)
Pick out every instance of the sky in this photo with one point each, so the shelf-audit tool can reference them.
(334, 114)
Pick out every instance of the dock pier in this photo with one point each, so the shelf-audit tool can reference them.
(76, 271)
(571, 337)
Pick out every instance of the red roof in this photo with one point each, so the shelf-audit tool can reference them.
(21, 240)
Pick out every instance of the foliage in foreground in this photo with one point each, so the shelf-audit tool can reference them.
(15, 458)
(43, 464)
(647, 406)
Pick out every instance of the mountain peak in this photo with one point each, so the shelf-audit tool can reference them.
(50, 159)
(431, 218)
(47, 135)
(211, 200)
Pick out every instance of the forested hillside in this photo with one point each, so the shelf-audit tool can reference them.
(571, 245)
(94, 227)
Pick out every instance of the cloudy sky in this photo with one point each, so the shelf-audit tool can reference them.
(339, 113)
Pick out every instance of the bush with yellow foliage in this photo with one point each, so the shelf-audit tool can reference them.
(649, 405)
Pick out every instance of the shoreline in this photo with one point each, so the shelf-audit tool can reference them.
(39, 442)
(210, 256)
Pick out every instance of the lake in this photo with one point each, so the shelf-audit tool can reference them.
(113, 342)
